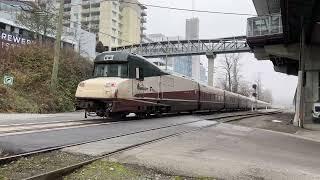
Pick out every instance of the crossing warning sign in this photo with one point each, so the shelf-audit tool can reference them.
(8, 80)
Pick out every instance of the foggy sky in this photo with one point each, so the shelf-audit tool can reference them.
(172, 23)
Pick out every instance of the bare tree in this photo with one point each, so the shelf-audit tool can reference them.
(245, 88)
(40, 19)
(100, 47)
(236, 73)
(231, 72)
(266, 95)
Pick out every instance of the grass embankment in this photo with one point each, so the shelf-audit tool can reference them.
(31, 68)
(99, 170)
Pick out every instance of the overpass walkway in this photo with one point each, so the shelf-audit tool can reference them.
(236, 44)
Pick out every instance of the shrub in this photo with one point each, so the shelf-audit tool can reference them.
(31, 67)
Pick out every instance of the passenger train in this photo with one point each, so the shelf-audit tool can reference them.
(126, 83)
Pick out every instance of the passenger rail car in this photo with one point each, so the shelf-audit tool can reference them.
(126, 83)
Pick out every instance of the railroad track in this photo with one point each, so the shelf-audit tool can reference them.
(16, 129)
(63, 171)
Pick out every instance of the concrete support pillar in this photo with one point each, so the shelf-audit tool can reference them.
(211, 58)
(309, 94)
(297, 120)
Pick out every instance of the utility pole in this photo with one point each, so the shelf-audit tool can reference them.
(57, 49)
(254, 94)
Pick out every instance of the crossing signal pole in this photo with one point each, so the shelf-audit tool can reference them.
(57, 49)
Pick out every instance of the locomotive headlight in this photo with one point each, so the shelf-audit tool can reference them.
(82, 84)
(110, 85)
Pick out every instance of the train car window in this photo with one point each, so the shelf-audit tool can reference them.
(111, 70)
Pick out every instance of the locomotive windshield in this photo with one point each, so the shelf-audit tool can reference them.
(111, 70)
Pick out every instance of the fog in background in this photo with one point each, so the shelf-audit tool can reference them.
(172, 23)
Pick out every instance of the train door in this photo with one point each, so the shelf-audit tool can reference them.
(138, 87)
(147, 85)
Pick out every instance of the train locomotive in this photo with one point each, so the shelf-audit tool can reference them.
(126, 83)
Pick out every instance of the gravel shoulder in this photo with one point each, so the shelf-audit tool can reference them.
(34, 165)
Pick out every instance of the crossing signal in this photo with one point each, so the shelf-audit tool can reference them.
(254, 86)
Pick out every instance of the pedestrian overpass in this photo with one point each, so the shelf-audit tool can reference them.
(188, 47)
(208, 47)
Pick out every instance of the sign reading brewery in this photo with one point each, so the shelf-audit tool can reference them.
(12, 40)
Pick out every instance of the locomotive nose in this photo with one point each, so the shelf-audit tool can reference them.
(97, 88)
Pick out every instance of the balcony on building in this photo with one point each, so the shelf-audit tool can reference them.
(66, 2)
(67, 15)
(142, 6)
(142, 35)
(143, 13)
(95, 19)
(143, 28)
(264, 30)
(143, 20)
(85, 19)
(67, 7)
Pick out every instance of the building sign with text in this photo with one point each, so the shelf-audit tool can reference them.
(12, 40)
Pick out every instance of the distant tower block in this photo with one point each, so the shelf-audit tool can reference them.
(192, 33)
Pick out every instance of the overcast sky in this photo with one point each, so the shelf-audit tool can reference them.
(172, 23)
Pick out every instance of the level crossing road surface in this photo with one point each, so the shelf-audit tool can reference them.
(221, 150)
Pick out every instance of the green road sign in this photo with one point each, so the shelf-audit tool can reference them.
(8, 80)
